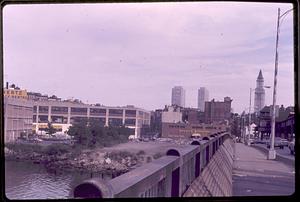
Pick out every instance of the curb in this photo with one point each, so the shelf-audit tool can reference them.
(279, 157)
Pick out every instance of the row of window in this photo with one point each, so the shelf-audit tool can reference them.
(80, 110)
(64, 120)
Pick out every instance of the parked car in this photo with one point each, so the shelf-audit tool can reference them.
(278, 142)
(291, 146)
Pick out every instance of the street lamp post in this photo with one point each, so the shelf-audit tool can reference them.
(248, 136)
(272, 152)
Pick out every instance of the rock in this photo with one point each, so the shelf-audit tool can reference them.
(108, 161)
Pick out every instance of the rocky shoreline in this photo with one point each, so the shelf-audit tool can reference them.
(113, 163)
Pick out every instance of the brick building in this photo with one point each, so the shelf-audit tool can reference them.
(217, 111)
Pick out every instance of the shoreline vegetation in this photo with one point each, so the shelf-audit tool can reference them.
(60, 158)
(87, 153)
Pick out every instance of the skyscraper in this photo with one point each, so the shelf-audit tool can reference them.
(259, 98)
(178, 96)
(203, 96)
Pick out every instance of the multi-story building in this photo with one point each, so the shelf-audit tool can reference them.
(284, 121)
(216, 111)
(186, 130)
(203, 96)
(178, 96)
(171, 114)
(17, 118)
(259, 98)
(62, 114)
(156, 120)
(14, 92)
(192, 115)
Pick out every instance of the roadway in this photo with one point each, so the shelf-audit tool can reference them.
(254, 175)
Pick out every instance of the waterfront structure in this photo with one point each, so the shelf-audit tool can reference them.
(178, 96)
(17, 118)
(62, 114)
(171, 114)
(217, 111)
(203, 96)
(259, 98)
(186, 130)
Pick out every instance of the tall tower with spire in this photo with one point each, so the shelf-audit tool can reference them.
(259, 98)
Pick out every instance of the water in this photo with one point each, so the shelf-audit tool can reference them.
(24, 180)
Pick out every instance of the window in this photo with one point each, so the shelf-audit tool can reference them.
(34, 109)
(43, 109)
(130, 122)
(114, 122)
(78, 110)
(59, 119)
(59, 110)
(34, 119)
(97, 111)
(43, 119)
(131, 113)
(116, 112)
(75, 119)
(99, 121)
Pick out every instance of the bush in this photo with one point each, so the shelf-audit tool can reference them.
(149, 159)
(56, 149)
(141, 152)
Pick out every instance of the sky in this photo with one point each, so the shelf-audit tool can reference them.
(119, 54)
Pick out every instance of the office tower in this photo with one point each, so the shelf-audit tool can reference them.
(203, 96)
(178, 96)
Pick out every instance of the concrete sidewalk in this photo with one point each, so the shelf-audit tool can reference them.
(254, 175)
(282, 155)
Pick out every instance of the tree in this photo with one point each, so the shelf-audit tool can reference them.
(90, 133)
(51, 130)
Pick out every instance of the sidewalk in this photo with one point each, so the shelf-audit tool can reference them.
(254, 175)
(282, 155)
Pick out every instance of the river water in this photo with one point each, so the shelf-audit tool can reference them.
(25, 180)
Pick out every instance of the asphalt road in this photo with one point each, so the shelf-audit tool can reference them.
(254, 175)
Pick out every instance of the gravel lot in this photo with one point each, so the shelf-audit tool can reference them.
(150, 148)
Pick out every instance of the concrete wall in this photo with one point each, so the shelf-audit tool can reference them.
(173, 175)
(216, 178)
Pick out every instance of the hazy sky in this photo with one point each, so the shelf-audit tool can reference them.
(134, 53)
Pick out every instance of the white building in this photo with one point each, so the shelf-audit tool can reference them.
(259, 98)
(62, 114)
(172, 115)
(178, 96)
(203, 96)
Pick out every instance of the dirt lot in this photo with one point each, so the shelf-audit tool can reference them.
(150, 148)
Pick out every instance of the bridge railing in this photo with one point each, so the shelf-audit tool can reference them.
(167, 176)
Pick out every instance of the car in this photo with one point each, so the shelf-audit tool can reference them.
(278, 142)
(291, 146)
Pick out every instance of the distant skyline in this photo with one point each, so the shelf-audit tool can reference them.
(135, 53)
